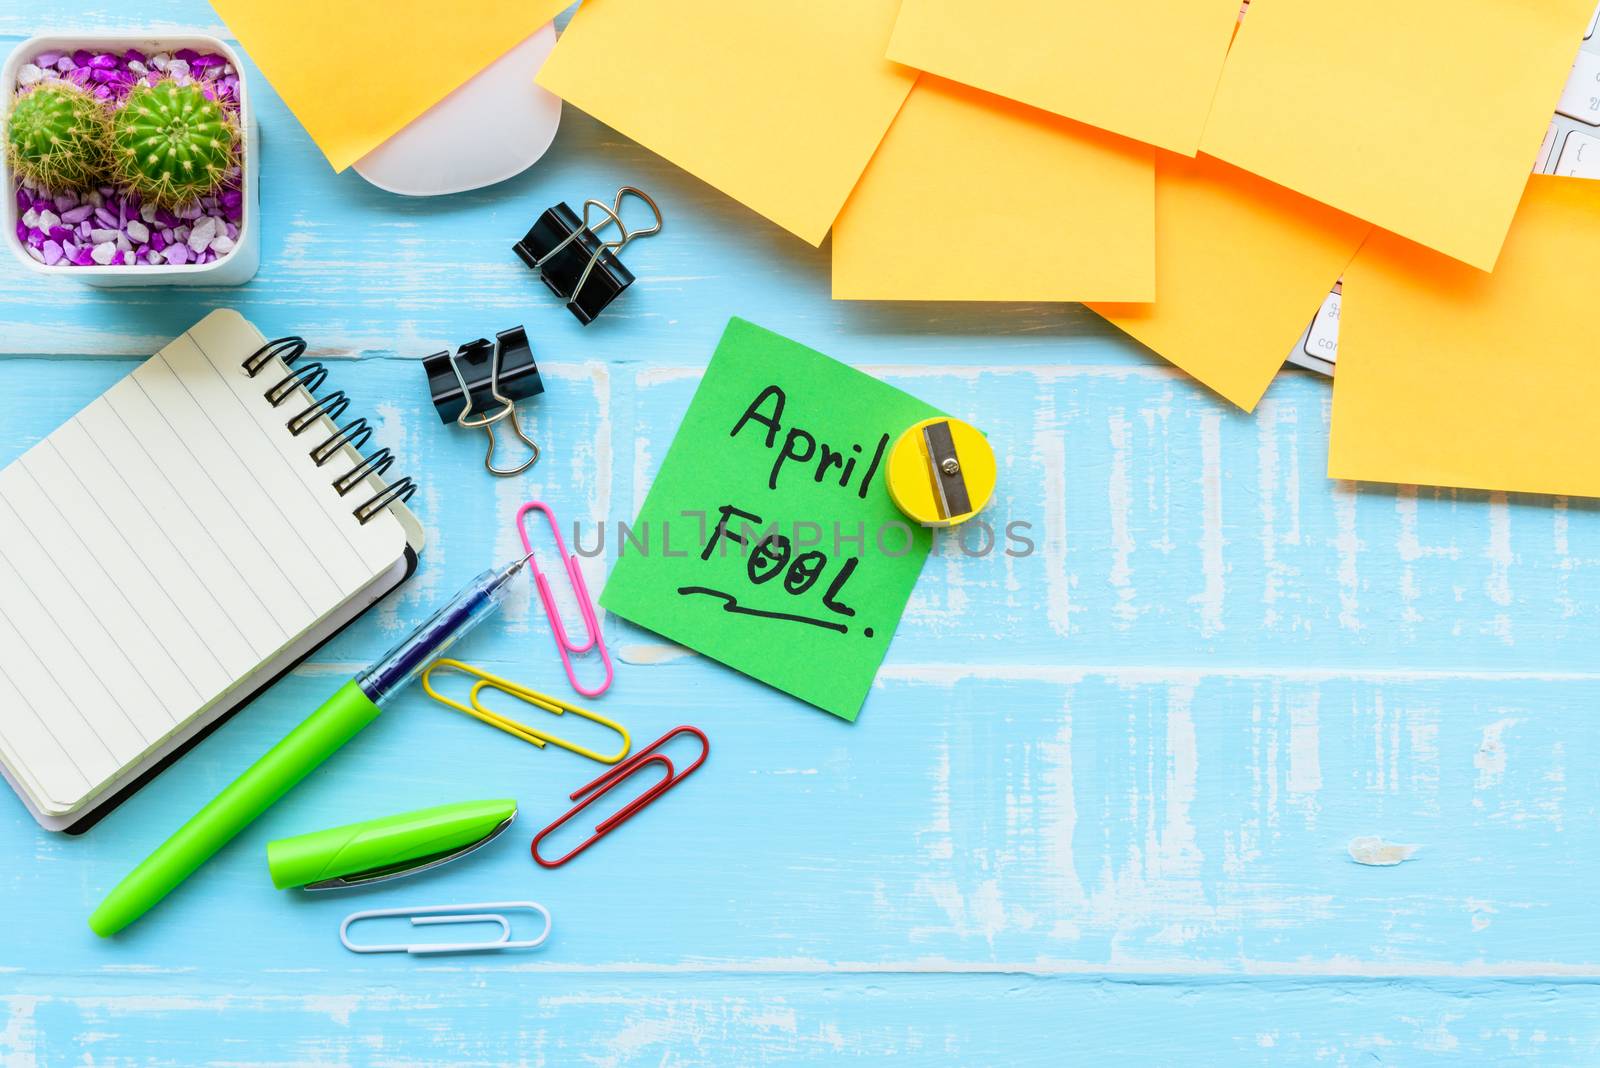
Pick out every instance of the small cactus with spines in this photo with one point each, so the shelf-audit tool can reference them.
(56, 137)
(170, 143)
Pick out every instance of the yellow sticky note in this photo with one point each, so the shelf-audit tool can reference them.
(355, 71)
(1241, 266)
(1451, 377)
(975, 197)
(779, 105)
(1142, 68)
(1423, 116)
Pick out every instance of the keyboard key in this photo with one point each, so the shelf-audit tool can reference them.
(1323, 340)
(1580, 156)
(1581, 98)
(1544, 162)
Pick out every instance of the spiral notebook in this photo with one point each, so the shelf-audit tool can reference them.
(171, 551)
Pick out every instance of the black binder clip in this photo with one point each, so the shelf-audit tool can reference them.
(578, 267)
(479, 385)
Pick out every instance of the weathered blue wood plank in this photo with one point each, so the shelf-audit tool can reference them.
(1164, 530)
(564, 1018)
(1133, 821)
(1171, 529)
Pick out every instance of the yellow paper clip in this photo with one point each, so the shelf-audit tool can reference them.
(475, 708)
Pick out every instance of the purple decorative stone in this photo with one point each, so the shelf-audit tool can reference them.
(166, 218)
(24, 200)
(84, 257)
(107, 217)
(52, 253)
(47, 59)
(82, 57)
(60, 233)
(22, 231)
(36, 236)
(157, 242)
(133, 55)
(188, 55)
(103, 61)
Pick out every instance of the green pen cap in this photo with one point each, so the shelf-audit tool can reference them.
(386, 848)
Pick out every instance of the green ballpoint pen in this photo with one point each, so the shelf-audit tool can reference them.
(359, 854)
(356, 704)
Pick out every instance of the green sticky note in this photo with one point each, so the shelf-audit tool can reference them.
(768, 540)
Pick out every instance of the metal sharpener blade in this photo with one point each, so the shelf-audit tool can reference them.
(945, 466)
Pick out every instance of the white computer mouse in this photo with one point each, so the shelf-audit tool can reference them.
(494, 126)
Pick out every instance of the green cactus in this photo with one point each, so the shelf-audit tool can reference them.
(56, 137)
(170, 144)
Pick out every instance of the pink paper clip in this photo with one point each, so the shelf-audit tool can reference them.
(580, 592)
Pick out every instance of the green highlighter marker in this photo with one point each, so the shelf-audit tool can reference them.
(356, 704)
(387, 848)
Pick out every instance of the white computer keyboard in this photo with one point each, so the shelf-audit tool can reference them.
(1571, 149)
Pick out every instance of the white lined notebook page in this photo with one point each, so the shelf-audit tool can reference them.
(166, 541)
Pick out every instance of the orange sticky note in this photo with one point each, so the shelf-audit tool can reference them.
(355, 71)
(975, 197)
(1422, 117)
(1452, 377)
(1241, 266)
(1142, 68)
(779, 105)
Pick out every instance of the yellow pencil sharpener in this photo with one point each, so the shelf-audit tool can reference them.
(941, 472)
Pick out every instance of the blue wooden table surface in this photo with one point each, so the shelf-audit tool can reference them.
(1096, 808)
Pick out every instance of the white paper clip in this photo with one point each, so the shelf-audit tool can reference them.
(436, 914)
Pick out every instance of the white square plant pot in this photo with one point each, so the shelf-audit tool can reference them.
(240, 264)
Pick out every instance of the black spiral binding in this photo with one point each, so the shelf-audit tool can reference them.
(356, 433)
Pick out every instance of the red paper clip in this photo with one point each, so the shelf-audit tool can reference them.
(594, 791)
